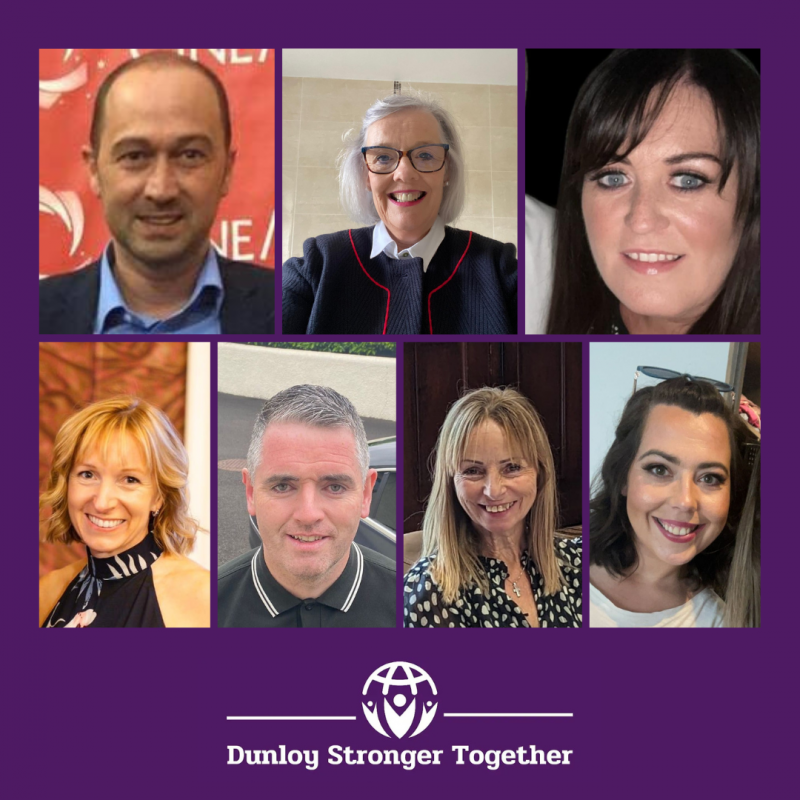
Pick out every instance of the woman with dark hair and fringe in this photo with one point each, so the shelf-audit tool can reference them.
(118, 484)
(666, 513)
(658, 218)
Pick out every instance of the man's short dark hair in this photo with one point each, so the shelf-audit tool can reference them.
(158, 58)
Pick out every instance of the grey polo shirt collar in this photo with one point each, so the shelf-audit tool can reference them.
(339, 596)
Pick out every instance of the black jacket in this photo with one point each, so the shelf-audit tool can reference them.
(68, 303)
(470, 287)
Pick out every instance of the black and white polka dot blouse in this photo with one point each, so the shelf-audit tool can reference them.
(423, 606)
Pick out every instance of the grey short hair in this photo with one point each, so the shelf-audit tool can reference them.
(357, 202)
(310, 405)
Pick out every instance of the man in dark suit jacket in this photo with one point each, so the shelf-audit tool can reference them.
(69, 303)
(160, 160)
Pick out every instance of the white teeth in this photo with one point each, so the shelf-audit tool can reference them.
(675, 531)
(652, 257)
(307, 538)
(406, 197)
(498, 509)
(105, 523)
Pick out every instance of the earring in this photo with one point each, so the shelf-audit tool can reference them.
(447, 183)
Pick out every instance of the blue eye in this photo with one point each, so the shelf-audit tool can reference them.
(688, 181)
(611, 180)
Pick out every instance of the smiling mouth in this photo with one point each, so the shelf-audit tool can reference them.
(652, 258)
(108, 524)
(678, 531)
(307, 539)
(162, 221)
(406, 198)
(498, 509)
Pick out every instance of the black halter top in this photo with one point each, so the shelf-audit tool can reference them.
(115, 592)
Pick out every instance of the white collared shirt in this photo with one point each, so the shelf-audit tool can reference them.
(425, 248)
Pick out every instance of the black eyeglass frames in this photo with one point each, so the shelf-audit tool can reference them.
(425, 158)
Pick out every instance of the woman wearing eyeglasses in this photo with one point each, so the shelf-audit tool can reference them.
(402, 174)
(665, 512)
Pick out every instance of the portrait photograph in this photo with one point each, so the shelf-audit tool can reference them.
(124, 501)
(643, 200)
(306, 485)
(156, 191)
(492, 492)
(675, 523)
(399, 191)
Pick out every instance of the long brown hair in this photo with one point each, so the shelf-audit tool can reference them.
(611, 538)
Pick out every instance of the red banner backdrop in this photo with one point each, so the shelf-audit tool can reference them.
(72, 231)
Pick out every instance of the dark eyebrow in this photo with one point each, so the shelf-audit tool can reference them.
(339, 478)
(681, 157)
(280, 479)
(286, 478)
(183, 141)
(713, 465)
(677, 461)
(662, 454)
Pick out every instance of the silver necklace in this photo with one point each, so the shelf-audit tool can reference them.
(514, 587)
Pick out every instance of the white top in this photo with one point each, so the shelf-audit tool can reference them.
(539, 224)
(425, 248)
(704, 610)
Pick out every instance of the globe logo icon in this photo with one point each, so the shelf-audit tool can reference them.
(399, 696)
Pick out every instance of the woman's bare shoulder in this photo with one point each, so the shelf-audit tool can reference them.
(52, 586)
(172, 563)
(183, 589)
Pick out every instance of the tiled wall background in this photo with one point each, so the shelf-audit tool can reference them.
(318, 111)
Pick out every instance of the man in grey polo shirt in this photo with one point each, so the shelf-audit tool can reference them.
(308, 483)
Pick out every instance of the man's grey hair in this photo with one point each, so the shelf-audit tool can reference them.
(309, 405)
(354, 195)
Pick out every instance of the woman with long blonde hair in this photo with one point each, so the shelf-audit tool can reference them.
(491, 555)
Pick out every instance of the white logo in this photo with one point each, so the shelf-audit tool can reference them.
(406, 686)
(67, 207)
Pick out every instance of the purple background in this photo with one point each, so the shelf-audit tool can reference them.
(131, 713)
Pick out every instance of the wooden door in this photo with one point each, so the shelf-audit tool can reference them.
(437, 374)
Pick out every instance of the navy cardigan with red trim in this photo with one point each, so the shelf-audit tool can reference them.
(470, 287)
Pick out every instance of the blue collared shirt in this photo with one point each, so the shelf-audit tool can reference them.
(200, 315)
